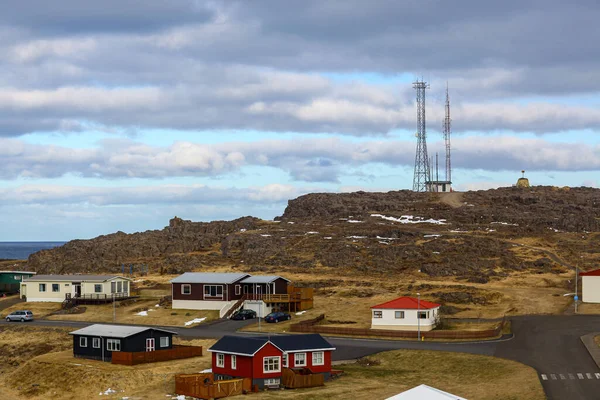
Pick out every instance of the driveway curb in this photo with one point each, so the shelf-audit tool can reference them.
(592, 347)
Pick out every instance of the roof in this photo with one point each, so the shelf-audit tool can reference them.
(407, 303)
(209, 277)
(18, 272)
(73, 278)
(263, 279)
(594, 272)
(289, 343)
(117, 331)
(425, 392)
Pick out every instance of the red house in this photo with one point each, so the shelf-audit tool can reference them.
(263, 358)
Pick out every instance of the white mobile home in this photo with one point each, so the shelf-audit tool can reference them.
(590, 286)
(57, 288)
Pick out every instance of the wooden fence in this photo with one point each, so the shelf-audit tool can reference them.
(310, 326)
(203, 386)
(293, 379)
(142, 357)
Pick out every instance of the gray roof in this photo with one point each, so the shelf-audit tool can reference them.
(18, 272)
(208, 277)
(262, 279)
(72, 278)
(117, 331)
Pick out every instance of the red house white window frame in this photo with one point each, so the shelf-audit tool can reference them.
(300, 360)
(220, 360)
(318, 358)
(271, 364)
(233, 362)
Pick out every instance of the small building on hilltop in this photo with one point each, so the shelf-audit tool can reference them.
(99, 341)
(60, 288)
(590, 286)
(405, 314)
(266, 359)
(522, 182)
(10, 281)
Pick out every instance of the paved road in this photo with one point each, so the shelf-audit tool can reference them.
(550, 344)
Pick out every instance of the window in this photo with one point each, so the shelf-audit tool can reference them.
(300, 360)
(55, 287)
(423, 314)
(42, 287)
(213, 290)
(113, 345)
(399, 314)
(272, 382)
(113, 287)
(284, 360)
(164, 341)
(119, 287)
(377, 314)
(17, 278)
(317, 358)
(233, 362)
(67, 285)
(186, 289)
(82, 341)
(96, 343)
(125, 287)
(98, 288)
(220, 360)
(246, 289)
(238, 290)
(271, 364)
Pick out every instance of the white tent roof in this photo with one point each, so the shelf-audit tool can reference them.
(424, 392)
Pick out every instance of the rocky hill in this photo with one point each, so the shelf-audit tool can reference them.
(474, 236)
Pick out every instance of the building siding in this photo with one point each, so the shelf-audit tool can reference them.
(134, 343)
(32, 292)
(590, 289)
(409, 322)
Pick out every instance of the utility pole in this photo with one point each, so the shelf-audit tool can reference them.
(422, 173)
(114, 309)
(576, 287)
(418, 316)
(447, 129)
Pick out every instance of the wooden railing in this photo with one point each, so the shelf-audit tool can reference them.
(203, 386)
(142, 357)
(303, 378)
(98, 296)
(235, 307)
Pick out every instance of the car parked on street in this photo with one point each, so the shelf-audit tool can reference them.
(244, 314)
(278, 316)
(20, 315)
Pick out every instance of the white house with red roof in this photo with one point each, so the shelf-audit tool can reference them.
(405, 314)
(590, 286)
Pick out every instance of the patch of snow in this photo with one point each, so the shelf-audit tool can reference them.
(356, 237)
(503, 223)
(142, 313)
(459, 231)
(436, 252)
(157, 305)
(243, 230)
(265, 235)
(205, 371)
(275, 222)
(382, 242)
(327, 237)
(490, 230)
(76, 364)
(108, 391)
(343, 219)
(312, 233)
(409, 219)
(195, 321)
(353, 221)
(179, 397)
(431, 236)
(151, 309)
(300, 312)
(139, 280)
(291, 222)
(386, 238)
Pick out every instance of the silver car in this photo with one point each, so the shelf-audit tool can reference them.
(21, 315)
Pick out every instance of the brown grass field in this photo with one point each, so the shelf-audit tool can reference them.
(37, 363)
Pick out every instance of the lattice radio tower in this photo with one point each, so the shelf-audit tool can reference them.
(447, 129)
(421, 159)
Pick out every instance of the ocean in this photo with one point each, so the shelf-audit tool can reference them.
(22, 250)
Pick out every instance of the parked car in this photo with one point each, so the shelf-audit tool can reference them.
(244, 314)
(278, 316)
(20, 315)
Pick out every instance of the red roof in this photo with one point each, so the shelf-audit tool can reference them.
(407, 303)
(595, 272)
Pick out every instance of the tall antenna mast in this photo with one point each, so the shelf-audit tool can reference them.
(447, 129)
(422, 173)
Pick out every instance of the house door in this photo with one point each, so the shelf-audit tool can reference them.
(76, 290)
(150, 346)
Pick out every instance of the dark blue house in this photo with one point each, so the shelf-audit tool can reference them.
(99, 341)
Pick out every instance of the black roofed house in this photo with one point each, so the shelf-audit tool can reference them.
(99, 341)
(264, 359)
(227, 292)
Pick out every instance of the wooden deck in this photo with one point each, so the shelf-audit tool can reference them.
(298, 299)
(301, 378)
(203, 386)
(95, 298)
(143, 357)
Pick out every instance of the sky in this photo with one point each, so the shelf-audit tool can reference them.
(119, 115)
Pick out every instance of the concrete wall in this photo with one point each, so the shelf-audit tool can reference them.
(259, 306)
(408, 323)
(590, 289)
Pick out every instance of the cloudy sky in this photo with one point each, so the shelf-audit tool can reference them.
(120, 114)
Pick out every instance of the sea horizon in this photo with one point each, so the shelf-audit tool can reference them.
(21, 250)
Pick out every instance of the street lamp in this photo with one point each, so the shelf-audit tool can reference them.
(418, 316)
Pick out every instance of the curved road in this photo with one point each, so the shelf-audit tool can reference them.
(550, 344)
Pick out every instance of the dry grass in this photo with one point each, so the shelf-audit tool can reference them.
(128, 314)
(588, 308)
(469, 376)
(39, 310)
